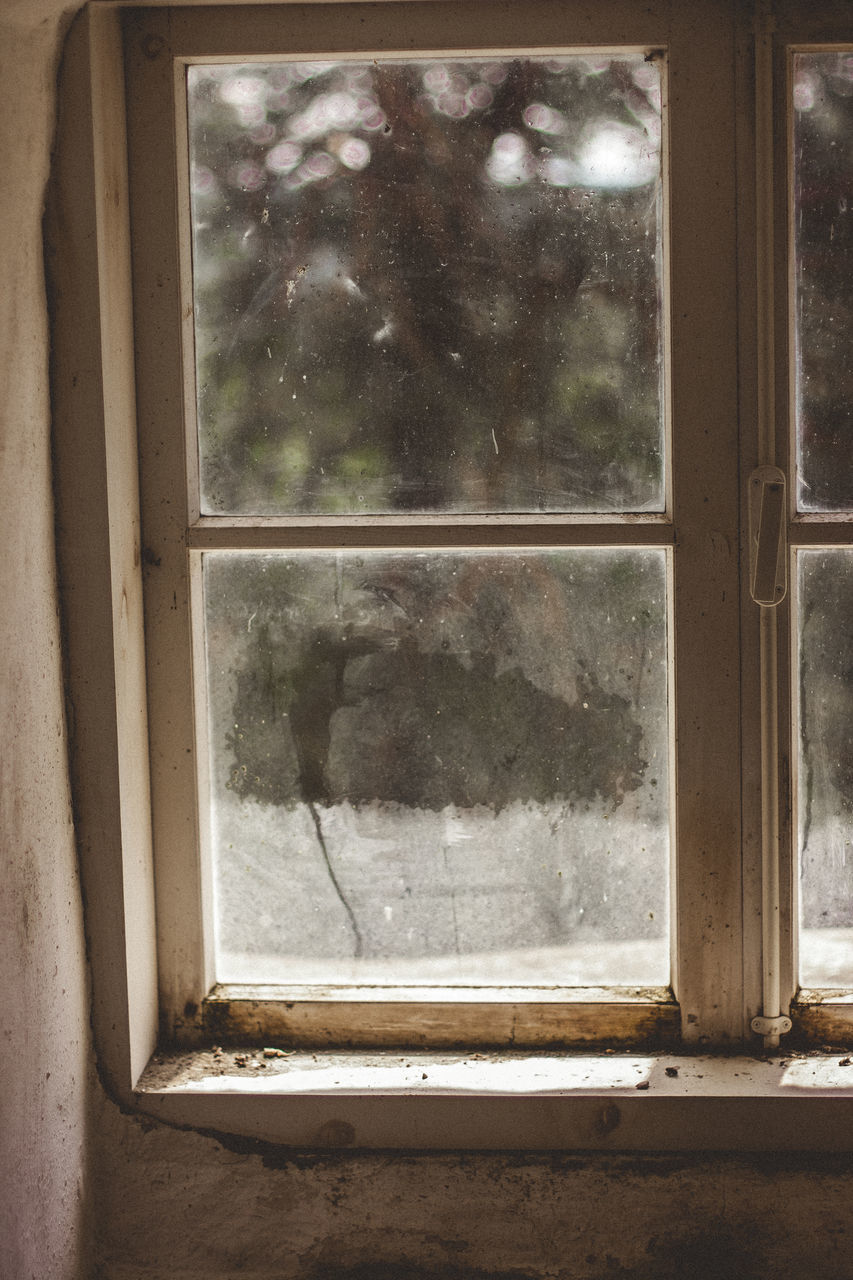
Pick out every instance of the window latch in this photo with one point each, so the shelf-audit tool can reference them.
(767, 567)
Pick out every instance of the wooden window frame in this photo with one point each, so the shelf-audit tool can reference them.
(707, 791)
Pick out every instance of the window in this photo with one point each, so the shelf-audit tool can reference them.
(461, 346)
(429, 512)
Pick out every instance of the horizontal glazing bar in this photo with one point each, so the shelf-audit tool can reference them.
(214, 534)
(823, 531)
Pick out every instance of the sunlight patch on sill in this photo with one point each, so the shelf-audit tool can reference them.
(831, 1074)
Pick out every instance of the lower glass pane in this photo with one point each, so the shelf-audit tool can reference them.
(825, 800)
(439, 767)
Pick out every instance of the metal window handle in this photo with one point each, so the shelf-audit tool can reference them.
(767, 561)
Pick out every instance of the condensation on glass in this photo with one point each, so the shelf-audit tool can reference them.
(439, 767)
(428, 286)
(823, 251)
(825, 788)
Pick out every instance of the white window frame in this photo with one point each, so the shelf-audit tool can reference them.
(142, 989)
(702, 505)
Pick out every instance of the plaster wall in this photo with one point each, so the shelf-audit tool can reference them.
(158, 1204)
(44, 1049)
(178, 1206)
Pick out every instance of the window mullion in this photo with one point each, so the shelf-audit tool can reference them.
(772, 1023)
(706, 608)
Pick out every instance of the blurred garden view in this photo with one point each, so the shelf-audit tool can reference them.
(428, 286)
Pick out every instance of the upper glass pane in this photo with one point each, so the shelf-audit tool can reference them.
(428, 286)
(823, 246)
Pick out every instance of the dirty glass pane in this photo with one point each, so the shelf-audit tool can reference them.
(428, 285)
(823, 240)
(826, 768)
(439, 767)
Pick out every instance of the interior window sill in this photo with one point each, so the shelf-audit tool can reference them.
(500, 1101)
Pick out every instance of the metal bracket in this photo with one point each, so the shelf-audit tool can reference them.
(771, 1026)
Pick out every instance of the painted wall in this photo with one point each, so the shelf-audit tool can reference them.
(90, 1192)
(44, 1049)
(177, 1206)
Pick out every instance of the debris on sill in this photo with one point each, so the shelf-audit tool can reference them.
(795, 1071)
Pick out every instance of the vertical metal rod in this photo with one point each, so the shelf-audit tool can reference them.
(770, 941)
(768, 633)
(764, 240)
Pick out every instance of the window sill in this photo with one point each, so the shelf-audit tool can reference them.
(487, 1102)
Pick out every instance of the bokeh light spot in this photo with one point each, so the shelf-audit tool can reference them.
(284, 157)
(247, 176)
(510, 162)
(617, 155)
(354, 153)
(545, 119)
